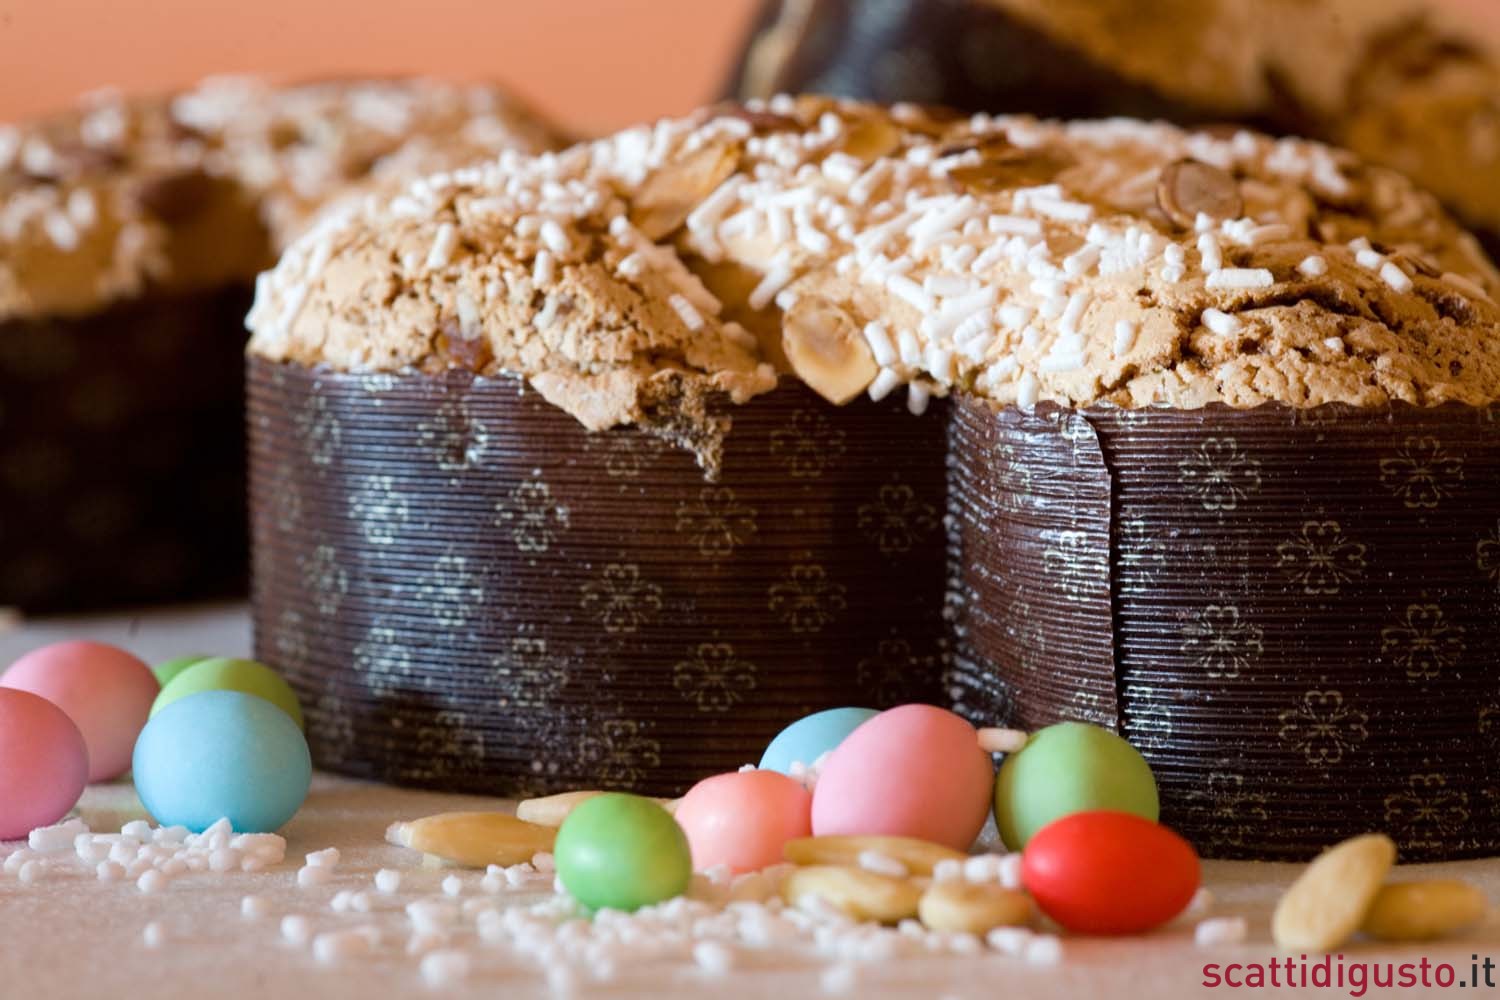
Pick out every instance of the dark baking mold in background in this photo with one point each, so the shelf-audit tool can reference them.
(122, 476)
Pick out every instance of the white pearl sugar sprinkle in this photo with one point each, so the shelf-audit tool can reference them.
(295, 929)
(444, 968)
(311, 876)
(1216, 931)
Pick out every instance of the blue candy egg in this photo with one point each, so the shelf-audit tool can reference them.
(812, 736)
(222, 754)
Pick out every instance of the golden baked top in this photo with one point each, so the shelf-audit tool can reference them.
(205, 186)
(1095, 262)
(1407, 83)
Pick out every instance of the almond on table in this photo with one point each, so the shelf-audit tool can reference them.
(474, 839)
(1331, 897)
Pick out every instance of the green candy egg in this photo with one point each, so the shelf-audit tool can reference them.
(166, 672)
(220, 673)
(1067, 768)
(622, 852)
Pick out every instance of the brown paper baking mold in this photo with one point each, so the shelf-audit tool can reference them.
(122, 476)
(470, 591)
(1292, 614)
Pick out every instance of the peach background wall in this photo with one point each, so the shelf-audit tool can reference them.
(595, 63)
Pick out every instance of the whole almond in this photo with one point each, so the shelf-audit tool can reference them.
(551, 810)
(919, 856)
(972, 907)
(1421, 911)
(474, 839)
(1329, 900)
(859, 894)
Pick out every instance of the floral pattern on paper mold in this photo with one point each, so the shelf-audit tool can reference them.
(1220, 643)
(1323, 728)
(290, 639)
(379, 510)
(1423, 643)
(319, 431)
(533, 516)
(384, 663)
(455, 439)
(450, 590)
(712, 677)
(1487, 555)
(1426, 813)
(1238, 816)
(324, 576)
(808, 445)
(716, 523)
(888, 676)
(624, 454)
(897, 519)
(1076, 566)
(621, 599)
(1219, 475)
(446, 745)
(1319, 558)
(528, 674)
(618, 752)
(807, 600)
(1423, 473)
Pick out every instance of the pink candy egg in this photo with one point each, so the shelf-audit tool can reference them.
(104, 690)
(43, 763)
(914, 771)
(743, 819)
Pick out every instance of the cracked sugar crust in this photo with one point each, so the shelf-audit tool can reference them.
(865, 249)
(122, 195)
(1406, 83)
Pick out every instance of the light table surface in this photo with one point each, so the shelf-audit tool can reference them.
(69, 936)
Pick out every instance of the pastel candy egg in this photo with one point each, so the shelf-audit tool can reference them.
(44, 763)
(222, 754)
(811, 736)
(221, 673)
(743, 819)
(1066, 768)
(914, 771)
(168, 670)
(1107, 872)
(622, 852)
(103, 689)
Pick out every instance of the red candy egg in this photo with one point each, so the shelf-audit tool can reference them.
(1106, 872)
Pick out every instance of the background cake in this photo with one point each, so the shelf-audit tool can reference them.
(130, 233)
(1409, 83)
(1145, 334)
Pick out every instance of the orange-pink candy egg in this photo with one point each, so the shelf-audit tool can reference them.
(743, 819)
(913, 771)
(103, 689)
(43, 763)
